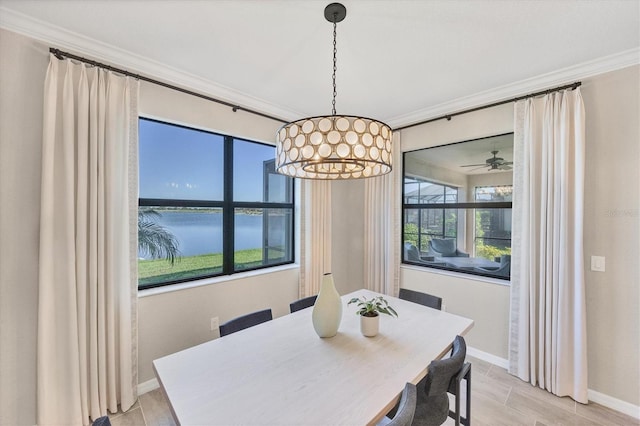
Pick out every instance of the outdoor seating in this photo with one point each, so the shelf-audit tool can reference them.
(445, 247)
(503, 269)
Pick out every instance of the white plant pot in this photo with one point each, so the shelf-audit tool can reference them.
(369, 326)
(327, 311)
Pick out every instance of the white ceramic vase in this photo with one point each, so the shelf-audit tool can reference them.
(327, 311)
(369, 326)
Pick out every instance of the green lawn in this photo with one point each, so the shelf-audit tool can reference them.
(159, 270)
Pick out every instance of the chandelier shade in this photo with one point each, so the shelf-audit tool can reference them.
(334, 146)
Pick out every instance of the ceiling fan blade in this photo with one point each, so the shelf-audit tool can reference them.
(474, 165)
(505, 167)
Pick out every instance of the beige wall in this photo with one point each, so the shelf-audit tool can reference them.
(417, 168)
(611, 229)
(488, 179)
(170, 322)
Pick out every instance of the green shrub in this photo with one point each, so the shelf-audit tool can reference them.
(490, 252)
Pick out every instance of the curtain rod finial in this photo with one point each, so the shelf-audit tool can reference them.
(56, 53)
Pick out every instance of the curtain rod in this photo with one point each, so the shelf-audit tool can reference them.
(571, 86)
(61, 55)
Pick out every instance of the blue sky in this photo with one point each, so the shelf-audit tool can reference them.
(182, 163)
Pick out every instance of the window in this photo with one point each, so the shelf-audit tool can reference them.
(209, 205)
(421, 225)
(457, 207)
(493, 226)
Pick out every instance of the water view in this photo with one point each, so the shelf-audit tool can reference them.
(199, 231)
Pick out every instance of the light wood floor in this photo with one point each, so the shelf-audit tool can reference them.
(497, 399)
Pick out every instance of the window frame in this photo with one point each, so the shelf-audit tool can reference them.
(228, 206)
(464, 206)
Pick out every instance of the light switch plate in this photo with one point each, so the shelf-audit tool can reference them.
(597, 263)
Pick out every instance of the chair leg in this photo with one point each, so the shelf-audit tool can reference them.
(464, 374)
(457, 398)
(467, 419)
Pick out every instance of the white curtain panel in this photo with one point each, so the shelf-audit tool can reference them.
(315, 235)
(382, 227)
(87, 350)
(548, 346)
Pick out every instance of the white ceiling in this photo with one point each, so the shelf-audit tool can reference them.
(398, 61)
(454, 156)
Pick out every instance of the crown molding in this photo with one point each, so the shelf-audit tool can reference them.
(556, 78)
(94, 49)
(85, 46)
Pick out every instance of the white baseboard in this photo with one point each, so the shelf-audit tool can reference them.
(486, 356)
(147, 386)
(614, 403)
(594, 396)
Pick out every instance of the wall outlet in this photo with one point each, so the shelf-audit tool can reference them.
(597, 263)
(215, 323)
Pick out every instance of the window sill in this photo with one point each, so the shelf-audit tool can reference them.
(208, 281)
(457, 275)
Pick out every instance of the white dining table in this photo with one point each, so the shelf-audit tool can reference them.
(281, 373)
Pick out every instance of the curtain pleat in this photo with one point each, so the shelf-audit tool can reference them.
(315, 239)
(382, 228)
(86, 358)
(548, 307)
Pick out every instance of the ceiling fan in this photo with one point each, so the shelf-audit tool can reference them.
(494, 163)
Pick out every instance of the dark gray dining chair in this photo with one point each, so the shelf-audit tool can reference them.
(101, 421)
(425, 299)
(245, 321)
(406, 408)
(444, 376)
(304, 303)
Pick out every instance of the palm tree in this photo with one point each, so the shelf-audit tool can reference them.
(155, 240)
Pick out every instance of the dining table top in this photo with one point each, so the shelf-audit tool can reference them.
(281, 373)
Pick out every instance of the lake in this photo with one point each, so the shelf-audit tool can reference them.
(200, 232)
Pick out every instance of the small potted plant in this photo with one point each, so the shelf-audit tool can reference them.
(369, 311)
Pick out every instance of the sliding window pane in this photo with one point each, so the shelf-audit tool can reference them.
(451, 222)
(262, 237)
(254, 175)
(411, 191)
(178, 243)
(493, 233)
(180, 163)
(450, 194)
(433, 222)
(412, 226)
(278, 225)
